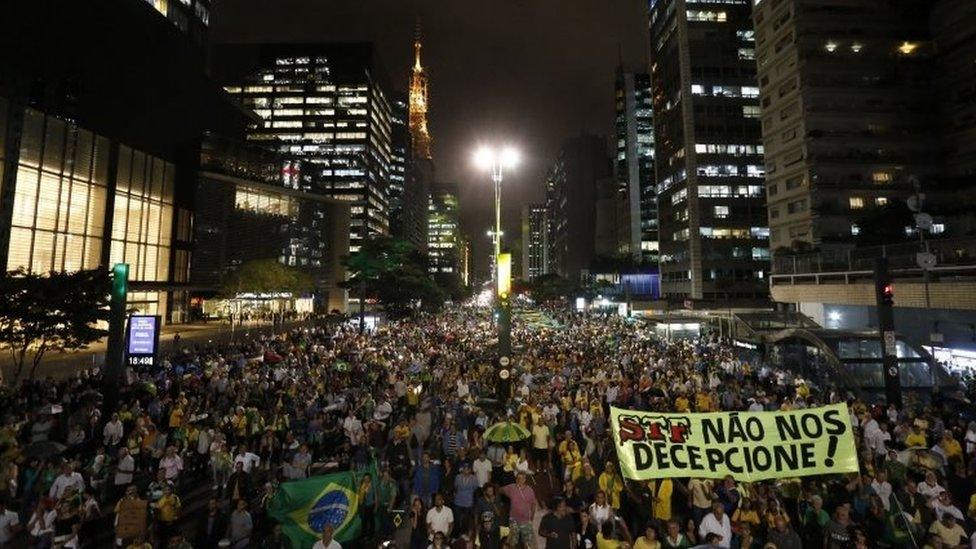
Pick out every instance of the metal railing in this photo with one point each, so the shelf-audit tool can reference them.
(950, 253)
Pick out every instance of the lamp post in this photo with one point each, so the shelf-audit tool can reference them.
(496, 161)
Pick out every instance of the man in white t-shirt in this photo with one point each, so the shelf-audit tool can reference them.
(353, 428)
(327, 542)
(68, 478)
(482, 469)
(440, 518)
(247, 459)
(540, 444)
(9, 524)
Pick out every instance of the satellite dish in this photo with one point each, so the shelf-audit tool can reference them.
(923, 221)
(925, 260)
(914, 202)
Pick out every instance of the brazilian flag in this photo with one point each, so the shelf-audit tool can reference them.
(305, 507)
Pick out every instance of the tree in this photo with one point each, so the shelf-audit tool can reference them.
(375, 260)
(452, 285)
(550, 287)
(265, 276)
(55, 312)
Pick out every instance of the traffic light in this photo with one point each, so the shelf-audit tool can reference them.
(888, 295)
(120, 280)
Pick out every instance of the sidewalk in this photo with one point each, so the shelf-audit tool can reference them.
(60, 365)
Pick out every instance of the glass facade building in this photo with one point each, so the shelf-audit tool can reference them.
(714, 237)
(322, 104)
(444, 240)
(634, 164)
(72, 209)
(535, 241)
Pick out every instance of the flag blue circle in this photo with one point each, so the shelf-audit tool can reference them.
(331, 508)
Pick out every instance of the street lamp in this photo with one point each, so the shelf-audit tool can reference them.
(496, 161)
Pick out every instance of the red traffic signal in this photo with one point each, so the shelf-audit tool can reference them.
(888, 294)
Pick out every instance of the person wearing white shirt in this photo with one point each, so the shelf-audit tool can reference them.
(482, 469)
(113, 431)
(67, 479)
(327, 542)
(353, 429)
(124, 468)
(943, 504)
(717, 522)
(9, 523)
(247, 460)
(882, 488)
(930, 488)
(440, 518)
(462, 389)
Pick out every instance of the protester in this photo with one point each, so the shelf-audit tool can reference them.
(198, 446)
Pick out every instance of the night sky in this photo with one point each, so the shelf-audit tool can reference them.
(525, 72)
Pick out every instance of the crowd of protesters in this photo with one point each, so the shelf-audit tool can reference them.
(198, 446)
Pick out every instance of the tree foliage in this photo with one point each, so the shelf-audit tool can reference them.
(264, 276)
(550, 287)
(55, 312)
(395, 273)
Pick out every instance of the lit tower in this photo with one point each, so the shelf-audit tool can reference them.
(418, 104)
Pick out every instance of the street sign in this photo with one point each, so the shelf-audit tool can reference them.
(889, 343)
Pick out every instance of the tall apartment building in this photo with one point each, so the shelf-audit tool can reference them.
(848, 113)
(444, 240)
(634, 164)
(326, 104)
(953, 26)
(535, 241)
(571, 196)
(714, 240)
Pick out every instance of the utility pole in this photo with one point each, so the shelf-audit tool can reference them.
(884, 301)
(115, 355)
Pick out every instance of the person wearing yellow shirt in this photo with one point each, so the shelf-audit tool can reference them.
(951, 447)
(648, 540)
(611, 483)
(916, 437)
(176, 417)
(661, 492)
(745, 515)
(703, 402)
(681, 404)
(168, 509)
(572, 460)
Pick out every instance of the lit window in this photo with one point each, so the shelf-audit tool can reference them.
(856, 47)
(856, 202)
(937, 228)
(830, 46)
(907, 48)
(881, 177)
(722, 212)
(697, 89)
(881, 201)
(855, 230)
(707, 16)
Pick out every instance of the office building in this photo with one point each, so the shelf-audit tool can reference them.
(634, 165)
(571, 192)
(409, 194)
(847, 115)
(714, 239)
(327, 105)
(535, 241)
(444, 240)
(953, 25)
(247, 212)
(95, 171)
(192, 17)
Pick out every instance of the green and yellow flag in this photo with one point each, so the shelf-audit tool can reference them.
(305, 507)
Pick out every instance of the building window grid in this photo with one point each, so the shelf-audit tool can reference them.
(59, 197)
